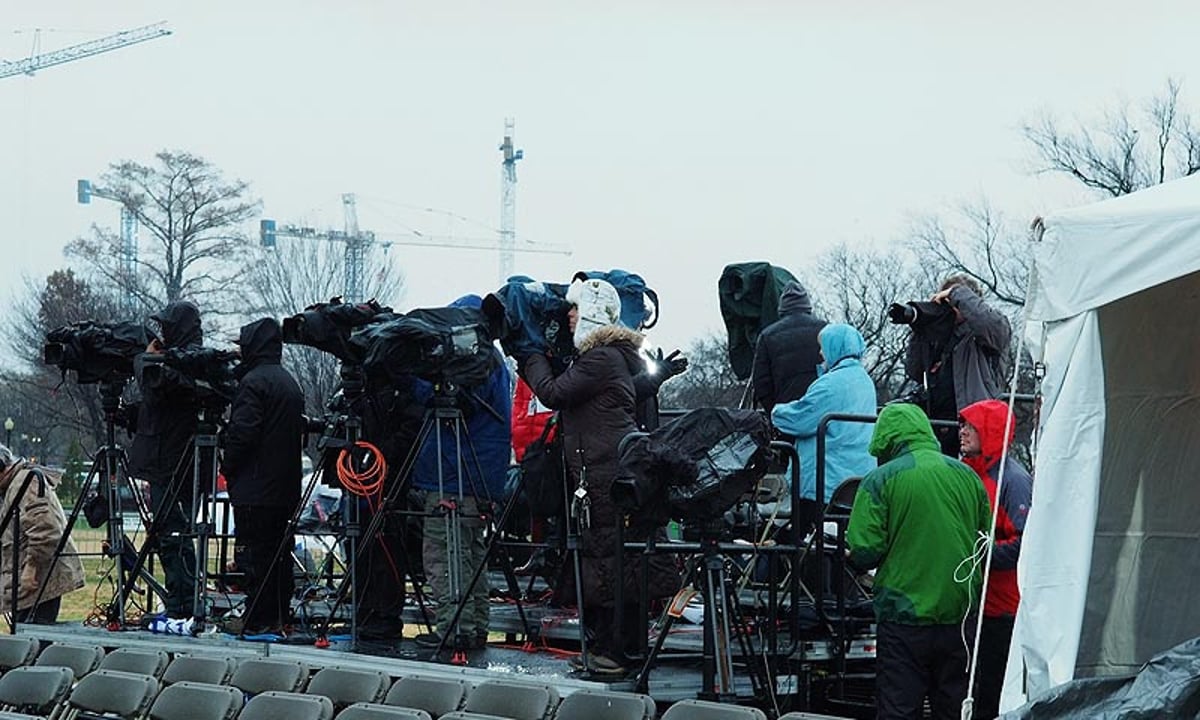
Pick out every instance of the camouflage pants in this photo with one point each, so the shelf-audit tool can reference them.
(472, 548)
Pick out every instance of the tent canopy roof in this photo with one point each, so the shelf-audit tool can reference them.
(1092, 255)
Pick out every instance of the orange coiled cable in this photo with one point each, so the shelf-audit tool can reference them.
(369, 481)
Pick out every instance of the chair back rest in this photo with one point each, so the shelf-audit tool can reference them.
(196, 701)
(111, 692)
(436, 696)
(35, 689)
(17, 650)
(705, 710)
(346, 687)
(272, 705)
(260, 675)
(606, 705)
(371, 711)
(82, 659)
(199, 669)
(518, 701)
(143, 662)
(842, 500)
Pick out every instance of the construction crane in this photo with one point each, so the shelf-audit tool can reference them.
(508, 199)
(125, 38)
(84, 192)
(357, 242)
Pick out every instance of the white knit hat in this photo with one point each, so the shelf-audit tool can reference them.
(598, 303)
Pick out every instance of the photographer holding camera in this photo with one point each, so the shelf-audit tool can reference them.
(956, 352)
(161, 452)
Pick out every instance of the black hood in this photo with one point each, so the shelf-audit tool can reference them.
(261, 342)
(794, 299)
(179, 324)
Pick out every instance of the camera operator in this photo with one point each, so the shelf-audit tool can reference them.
(162, 450)
(596, 396)
(261, 462)
(956, 351)
(467, 477)
(42, 525)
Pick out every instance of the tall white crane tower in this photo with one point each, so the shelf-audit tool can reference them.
(508, 199)
(125, 38)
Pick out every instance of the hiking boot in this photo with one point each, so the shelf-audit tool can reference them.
(597, 665)
(232, 626)
(479, 639)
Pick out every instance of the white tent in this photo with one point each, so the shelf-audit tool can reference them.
(1110, 561)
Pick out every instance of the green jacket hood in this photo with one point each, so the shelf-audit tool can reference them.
(901, 428)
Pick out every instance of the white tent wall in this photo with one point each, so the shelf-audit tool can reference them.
(1110, 563)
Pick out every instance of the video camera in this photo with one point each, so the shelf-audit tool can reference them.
(441, 345)
(210, 371)
(328, 327)
(96, 352)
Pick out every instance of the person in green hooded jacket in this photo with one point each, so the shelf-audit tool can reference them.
(919, 518)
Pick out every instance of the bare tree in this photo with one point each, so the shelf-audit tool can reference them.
(709, 380)
(1125, 152)
(978, 242)
(53, 407)
(194, 218)
(291, 276)
(856, 287)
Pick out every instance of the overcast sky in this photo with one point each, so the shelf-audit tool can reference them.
(666, 138)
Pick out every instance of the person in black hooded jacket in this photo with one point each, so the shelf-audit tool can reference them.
(787, 353)
(261, 461)
(161, 453)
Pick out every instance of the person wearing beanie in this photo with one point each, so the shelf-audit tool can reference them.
(596, 398)
(42, 526)
(787, 353)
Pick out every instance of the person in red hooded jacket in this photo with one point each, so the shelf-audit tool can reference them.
(983, 439)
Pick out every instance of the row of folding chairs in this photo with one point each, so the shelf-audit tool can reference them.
(134, 684)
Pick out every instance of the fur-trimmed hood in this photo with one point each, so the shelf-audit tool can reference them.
(609, 335)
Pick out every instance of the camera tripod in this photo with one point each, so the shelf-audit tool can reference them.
(724, 624)
(107, 471)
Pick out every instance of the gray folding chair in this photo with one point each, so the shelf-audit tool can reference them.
(110, 692)
(346, 687)
(17, 650)
(255, 675)
(199, 669)
(196, 701)
(37, 690)
(143, 662)
(605, 705)
(435, 696)
(372, 711)
(273, 705)
(704, 710)
(464, 715)
(516, 701)
(82, 659)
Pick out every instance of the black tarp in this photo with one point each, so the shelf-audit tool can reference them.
(1168, 686)
(694, 467)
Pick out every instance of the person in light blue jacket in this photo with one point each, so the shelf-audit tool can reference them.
(842, 386)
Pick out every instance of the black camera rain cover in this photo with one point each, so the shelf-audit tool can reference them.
(695, 467)
(327, 326)
(452, 344)
(97, 352)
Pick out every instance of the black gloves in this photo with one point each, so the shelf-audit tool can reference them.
(668, 367)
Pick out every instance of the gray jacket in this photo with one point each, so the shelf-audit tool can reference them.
(980, 350)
